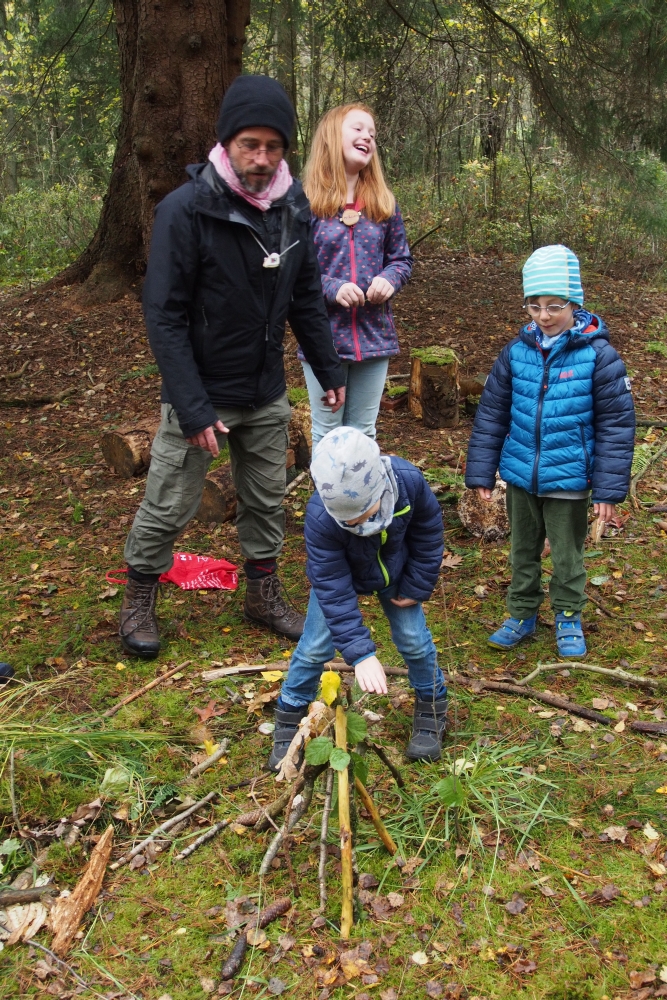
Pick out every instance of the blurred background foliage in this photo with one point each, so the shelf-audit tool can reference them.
(506, 124)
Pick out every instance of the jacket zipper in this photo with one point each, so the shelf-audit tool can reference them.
(353, 278)
(538, 422)
(383, 539)
(583, 445)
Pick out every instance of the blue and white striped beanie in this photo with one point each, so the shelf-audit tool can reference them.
(349, 473)
(553, 270)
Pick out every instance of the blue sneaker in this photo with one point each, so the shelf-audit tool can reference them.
(569, 635)
(512, 631)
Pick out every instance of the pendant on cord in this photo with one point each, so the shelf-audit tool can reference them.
(272, 260)
(350, 217)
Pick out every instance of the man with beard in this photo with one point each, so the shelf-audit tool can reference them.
(231, 260)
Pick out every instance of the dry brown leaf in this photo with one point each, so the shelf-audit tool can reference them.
(600, 704)
(516, 905)
(451, 561)
(263, 697)
(618, 833)
(605, 895)
(67, 913)
(395, 899)
(639, 979)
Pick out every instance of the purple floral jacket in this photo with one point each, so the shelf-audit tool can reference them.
(360, 253)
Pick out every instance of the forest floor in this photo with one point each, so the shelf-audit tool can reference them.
(549, 880)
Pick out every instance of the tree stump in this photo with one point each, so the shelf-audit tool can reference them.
(218, 502)
(434, 386)
(300, 435)
(127, 450)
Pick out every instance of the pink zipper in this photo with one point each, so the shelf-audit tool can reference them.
(353, 277)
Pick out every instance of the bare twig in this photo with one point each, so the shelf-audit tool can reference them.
(616, 673)
(382, 754)
(323, 839)
(38, 400)
(163, 828)
(10, 376)
(13, 897)
(47, 951)
(210, 761)
(647, 422)
(268, 813)
(293, 815)
(204, 839)
(595, 600)
(371, 808)
(290, 867)
(12, 791)
(296, 482)
(142, 690)
(258, 668)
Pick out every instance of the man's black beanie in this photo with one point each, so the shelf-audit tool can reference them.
(254, 102)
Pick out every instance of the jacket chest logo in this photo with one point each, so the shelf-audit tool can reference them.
(567, 374)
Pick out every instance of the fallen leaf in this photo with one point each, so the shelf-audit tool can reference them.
(516, 904)
(381, 907)
(272, 675)
(368, 881)
(598, 581)
(547, 891)
(524, 966)
(663, 974)
(488, 890)
(389, 994)
(106, 594)
(618, 833)
(450, 561)
(286, 942)
(257, 937)
(657, 868)
(209, 712)
(276, 986)
(434, 989)
(207, 984)
(639, 626)
(600, 704)
(662, 790)
(330, 682)
(419, 958)
(605, 895)
(262, 698)
(650, 832)
(619, 727)
(546, 714)
(481, 591)
(581, 726)
(639, 979)
(266, 728)
(395, 899)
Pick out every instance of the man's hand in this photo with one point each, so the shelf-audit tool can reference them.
(350, 295)
(605, 511)
(335, 398)
(484, 493)
(206, 439)
(403, 602)
(379, 290)
(370, 675)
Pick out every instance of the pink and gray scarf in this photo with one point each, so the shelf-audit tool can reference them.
(278, 186)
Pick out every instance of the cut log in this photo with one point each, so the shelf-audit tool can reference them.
(127, 450)
(471, 386)
(218, 502)
(434, 386)
(300, 435)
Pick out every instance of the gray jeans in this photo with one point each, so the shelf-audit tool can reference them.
(257, 448)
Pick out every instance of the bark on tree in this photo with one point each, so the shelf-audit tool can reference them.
(434, 389)
(176, 61)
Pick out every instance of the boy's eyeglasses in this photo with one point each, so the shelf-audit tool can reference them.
(274, 150)
(553, 309)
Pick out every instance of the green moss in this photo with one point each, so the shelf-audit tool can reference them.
(297, 395)
(397, 390)
(434, 355)
(656, 347)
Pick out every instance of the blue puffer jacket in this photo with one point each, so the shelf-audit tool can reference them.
(341, 565)
(561, 419)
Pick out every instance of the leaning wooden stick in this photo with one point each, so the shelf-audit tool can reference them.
(163, 828)
(347, 911)
(616, 673)
(210, 761)
(292, 815)
(326, 810)
(142, 690)
(204, 839)
(257, 668)
(371, 808)
(382, 754)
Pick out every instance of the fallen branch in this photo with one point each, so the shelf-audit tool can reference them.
(38, 400)
(210, 761)
(13, 897)
(659, 728)
(344, 826)
(258, 668)
(267, 813)
(295, 482)
(635, 479)
(142, 690)
(301, 805)
(68, 912)
(658, 508)
(10, 376)
(647, 422)
(163, 828)
(616, 673)
(324, 833)
(371, 808)
(204, 839)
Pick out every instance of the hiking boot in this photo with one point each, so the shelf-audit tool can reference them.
(428, 728)
(512, 632)
(265, 604)
(138, 625)
(569, 635)
(287, 724)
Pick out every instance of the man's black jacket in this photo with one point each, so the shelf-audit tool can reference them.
(215, 316)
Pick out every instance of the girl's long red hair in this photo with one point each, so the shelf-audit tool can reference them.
(325, 182)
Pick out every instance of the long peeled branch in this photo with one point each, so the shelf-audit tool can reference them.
(301, 804)
(322, 872)
(204, 839)
(344, 826)
(142, 690)
(163, 828)
(210, 761)
(68, 912)
(257, 668)
(617, 673)
(371, 808)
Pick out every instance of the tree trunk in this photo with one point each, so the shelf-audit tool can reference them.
(127, 450)
(176, 60)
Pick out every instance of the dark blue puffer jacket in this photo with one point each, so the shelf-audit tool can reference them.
(561, 419)
(341, 565)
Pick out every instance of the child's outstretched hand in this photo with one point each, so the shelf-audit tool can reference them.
(370, 675)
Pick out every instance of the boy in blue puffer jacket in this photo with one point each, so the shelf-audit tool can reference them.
(372, 526)
(556, 419)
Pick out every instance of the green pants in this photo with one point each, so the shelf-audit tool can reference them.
(565, 524)
(257, 450)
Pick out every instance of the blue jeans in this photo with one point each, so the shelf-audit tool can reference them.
(315, 647)
(364, 384)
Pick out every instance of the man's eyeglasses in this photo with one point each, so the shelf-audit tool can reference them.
(554, 309)
(274, 150)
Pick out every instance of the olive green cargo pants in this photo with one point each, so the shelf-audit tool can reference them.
(257, 450)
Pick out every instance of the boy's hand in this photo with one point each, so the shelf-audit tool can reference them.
(370, 675)
(484, 493)
(402, 602)
(605, 511)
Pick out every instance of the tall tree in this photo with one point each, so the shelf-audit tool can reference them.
(176, 60)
